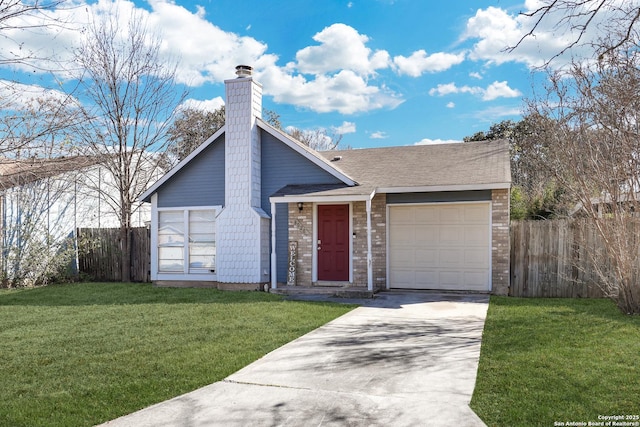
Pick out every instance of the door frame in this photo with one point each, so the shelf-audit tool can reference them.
(314, 246)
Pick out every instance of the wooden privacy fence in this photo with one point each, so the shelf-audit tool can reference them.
(554, 259)
(99, 254)
(548, 258)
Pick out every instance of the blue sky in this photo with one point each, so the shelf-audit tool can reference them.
(382, 72)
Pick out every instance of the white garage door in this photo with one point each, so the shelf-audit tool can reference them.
(440, 246)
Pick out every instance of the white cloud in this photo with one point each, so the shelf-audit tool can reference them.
(341, 48)
(419, 62)
(208, 54)
(495, 30)
(451, 105)
(345, 92)
(337, 75)
(344, 128)
(475, 75)
(428, 141)
(451, 88)
(490, 115)
(500, 90)
(379, 135)
(493, 91)
(206, 105)
(15, 95)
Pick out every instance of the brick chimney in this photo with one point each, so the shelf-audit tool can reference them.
(243, 256)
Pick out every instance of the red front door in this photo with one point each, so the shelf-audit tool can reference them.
(333, 242)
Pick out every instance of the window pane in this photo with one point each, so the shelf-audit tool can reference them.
(171, 259)
(171, 241)
(202, 239)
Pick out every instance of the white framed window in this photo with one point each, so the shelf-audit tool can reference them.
(186, 241)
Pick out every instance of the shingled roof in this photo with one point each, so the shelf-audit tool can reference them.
(443, 167)
(463, 164)
(24, 171)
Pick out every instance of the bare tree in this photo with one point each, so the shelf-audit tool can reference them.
(589, 120)
(17, 18)
(614, 22)
(21, 16)
(38, 230)
(132, 98)
(319, 139)
(38, 127)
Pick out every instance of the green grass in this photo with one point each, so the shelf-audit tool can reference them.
(82, 354)
(557, 360)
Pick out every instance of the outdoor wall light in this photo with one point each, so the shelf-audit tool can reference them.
(300, 206)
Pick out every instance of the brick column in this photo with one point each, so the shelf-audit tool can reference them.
(500, 242)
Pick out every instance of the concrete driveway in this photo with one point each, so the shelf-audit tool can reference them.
(402, 359)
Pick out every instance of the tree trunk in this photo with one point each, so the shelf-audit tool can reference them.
(125, 254)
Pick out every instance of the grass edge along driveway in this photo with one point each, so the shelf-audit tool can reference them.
(82, 354)
(546, 361)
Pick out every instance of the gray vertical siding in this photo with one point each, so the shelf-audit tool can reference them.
(282, 166)
(200, 183)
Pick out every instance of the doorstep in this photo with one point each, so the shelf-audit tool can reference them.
(340, 292)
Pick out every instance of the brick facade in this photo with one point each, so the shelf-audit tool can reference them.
(500, 255)
(301, 230)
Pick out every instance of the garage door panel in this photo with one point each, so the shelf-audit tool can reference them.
(402, 236)
(428, 276)
(402, 216)
(425, 232)
(450, 235)
(427, 257)
(475, 280)
(476, 214)
(476, 235)
(425, 216)
(475, 258)
(440, 247)
(448, 258)
(449, 214)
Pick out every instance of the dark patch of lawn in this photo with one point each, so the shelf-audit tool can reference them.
(82, 354)
(557, 360)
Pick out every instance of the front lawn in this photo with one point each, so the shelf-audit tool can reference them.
(545, 362)
(82, 354)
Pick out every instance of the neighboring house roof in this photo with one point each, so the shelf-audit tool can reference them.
(629, 197)
(20, 172)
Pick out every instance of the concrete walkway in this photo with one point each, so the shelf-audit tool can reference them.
(402, 359)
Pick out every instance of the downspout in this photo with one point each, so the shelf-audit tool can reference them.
(369, 255)
(274, 271)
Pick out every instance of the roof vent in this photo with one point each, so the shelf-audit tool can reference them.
(336, 158)
(244, 71)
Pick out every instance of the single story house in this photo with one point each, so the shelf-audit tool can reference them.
(252, 207)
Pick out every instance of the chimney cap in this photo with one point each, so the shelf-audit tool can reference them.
(244, 71)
